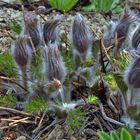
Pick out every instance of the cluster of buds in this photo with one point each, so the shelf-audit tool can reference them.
(31, 39)
(120, 30)
(25, 45)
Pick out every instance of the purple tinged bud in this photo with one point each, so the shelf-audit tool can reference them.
(54, 64)
(22, 52)
(50, 33)
(81, 37)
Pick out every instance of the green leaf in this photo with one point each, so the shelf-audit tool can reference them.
(100, 5)
(89, 8)
(125, 135)
(138, 137)
(114, 135)
(63, 5)
(69, 4)
(103, 135)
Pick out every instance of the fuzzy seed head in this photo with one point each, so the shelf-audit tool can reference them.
(50, 31)
(22, 52)
(81, 37)
(54, 65)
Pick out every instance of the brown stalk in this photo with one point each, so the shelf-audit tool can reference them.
(14, 111)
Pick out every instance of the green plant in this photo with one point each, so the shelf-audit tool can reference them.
(75, 119)
(109, 78)
(37, 105)
(7, 65)
(8, 101)
(63, 5)
(123, 135)
(93, 99)
(103, 6)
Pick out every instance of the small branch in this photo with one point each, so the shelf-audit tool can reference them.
(41, 132)
(6, 127)
(13, 80)
(95, 34)
(102, 57)
(14, 111)
(40, 122)
(109, 119)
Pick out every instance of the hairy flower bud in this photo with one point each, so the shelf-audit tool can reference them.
(22, 52)
(33, 29)
(54, 65)
(136, 39)
(81, 37)
(120, 27)
(50, 31)
(128, 17)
